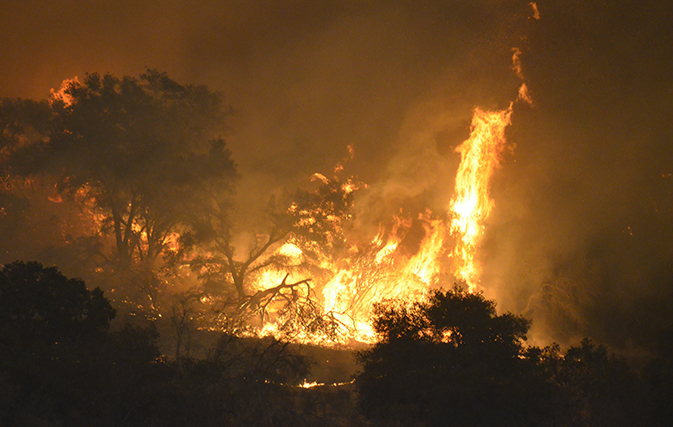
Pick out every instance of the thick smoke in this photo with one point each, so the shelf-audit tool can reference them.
(580, 237)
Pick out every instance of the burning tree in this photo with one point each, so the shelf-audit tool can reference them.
(135, 152)
(146, 158)
(272, 279)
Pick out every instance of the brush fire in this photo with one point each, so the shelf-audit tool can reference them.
(311, 277)
(406, 258)
(336, 213)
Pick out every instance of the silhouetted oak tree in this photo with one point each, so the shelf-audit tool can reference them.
(50, 326)
(141, 149)
(451, 361)
(141, 154)
(593, 387)
(41, 307)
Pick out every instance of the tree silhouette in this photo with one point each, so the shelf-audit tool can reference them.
(140, 154)
(141, 148)
(595, 388)
(41, 307)
(51, 330)
(451, 361)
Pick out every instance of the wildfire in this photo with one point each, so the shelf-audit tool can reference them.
(404, 260)
(380, 270)
(406, 256)
(289, 289)
(384, 267)
(471, 205)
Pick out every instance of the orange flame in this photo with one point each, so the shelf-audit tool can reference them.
(524, 95)
(388, 266)
(471, 205)
(382, 271)
(62, 94)
(405, 257)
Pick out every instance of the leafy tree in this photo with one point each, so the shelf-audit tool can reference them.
(451, 361)
(141, 148)
(50, 326)
(41, 307)
(140, 154)
(593, 387)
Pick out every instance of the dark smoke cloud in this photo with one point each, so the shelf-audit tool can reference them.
(581, 235)
(583, 218)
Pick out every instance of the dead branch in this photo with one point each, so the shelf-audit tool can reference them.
(255, 300)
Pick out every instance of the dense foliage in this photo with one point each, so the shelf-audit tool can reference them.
(139, 156)
(437, 361)
(454, 361)
(41, 307)
(60, 364)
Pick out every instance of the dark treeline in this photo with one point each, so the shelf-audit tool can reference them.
(61, 364)
(453, 361)
(448, 361)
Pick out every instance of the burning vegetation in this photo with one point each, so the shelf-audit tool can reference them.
(206, 289)
(144, 158)
(141, 171)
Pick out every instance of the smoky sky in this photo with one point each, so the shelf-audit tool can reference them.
(581, 236)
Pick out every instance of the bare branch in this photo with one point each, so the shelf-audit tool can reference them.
(255, 301)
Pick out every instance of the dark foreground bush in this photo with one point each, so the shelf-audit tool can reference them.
(60, 365)
(452, 361)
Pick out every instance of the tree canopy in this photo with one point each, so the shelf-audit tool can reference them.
(142, 156)
(40, 306)
(438, 360)
(452, 360)
(140, 149)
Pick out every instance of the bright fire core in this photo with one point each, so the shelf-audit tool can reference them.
(471, 204)
(385, 268)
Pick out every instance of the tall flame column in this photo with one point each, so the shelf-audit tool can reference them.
(471, 205)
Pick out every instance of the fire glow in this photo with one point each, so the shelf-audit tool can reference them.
(328, 294)
(384, 268)
(471, 204)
